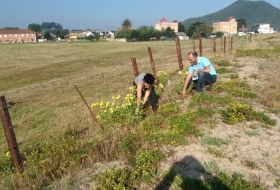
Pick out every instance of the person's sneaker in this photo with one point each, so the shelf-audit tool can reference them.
(197, 93)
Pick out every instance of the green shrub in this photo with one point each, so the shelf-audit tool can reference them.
(146, 164)
(117, 179)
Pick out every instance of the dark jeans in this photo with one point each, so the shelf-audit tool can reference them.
(152, 98)
(203, 79)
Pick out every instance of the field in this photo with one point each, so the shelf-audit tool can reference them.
(38, 80)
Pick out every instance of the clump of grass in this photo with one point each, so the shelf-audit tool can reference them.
(223, 70)
(251, 164)
(223, 63)
(252, 133)
(254, 76)
(214, 140)
(215, 152)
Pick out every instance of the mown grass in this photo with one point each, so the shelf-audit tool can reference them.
(57, 135)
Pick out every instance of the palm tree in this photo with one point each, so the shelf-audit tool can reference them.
(126, 23)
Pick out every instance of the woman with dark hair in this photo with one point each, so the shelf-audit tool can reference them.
(144, 83)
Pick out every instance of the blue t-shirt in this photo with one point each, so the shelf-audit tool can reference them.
(202, 62)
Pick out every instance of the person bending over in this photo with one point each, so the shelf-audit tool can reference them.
(144, 83)
(201, 71)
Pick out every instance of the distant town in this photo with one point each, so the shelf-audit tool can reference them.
(174, 29)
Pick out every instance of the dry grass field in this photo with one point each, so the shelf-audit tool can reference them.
(38, 80)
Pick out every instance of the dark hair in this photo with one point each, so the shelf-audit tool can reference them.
(149, 78)
(194, 53)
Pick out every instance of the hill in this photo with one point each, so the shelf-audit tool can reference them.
(253, 12)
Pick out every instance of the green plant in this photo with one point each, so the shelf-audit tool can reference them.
(130, 143)
(6, 164)
(169, 109)
(146, 164)
(117, 179)
(184, 124)
(236, 112)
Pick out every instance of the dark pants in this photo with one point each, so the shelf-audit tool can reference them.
(203, 79)
(152, 98)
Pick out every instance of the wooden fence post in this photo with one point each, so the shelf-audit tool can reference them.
(153, 65)
(200, 45)
(135, 67)
(225, 44)
(179, 55)
(221, 44)
(231, 41)
(10, 135)
(214, 45)
(193, 42)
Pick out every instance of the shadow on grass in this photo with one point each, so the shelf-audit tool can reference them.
(189, 173)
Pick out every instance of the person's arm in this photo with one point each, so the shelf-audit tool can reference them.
(188, 78)
(147, 93)
(205, 70)
(139, 93)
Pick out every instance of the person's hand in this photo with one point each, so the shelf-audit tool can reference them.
(183, 93)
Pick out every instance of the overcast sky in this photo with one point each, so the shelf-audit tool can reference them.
(105, 14)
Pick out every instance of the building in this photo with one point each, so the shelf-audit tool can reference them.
(182, 36)
(163, 24)
(17, 35)
(227, 27)
(262, 28)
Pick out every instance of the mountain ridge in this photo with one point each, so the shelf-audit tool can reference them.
(254, 12)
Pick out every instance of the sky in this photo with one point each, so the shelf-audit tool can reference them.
(106, 14)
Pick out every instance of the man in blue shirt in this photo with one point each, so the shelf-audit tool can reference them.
(201, 71)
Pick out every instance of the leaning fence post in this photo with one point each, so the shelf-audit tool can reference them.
(179, 55)
(153, 65)
(135, 67)
(10, 135)
(92, 114)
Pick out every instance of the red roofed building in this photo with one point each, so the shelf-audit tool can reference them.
(17, 35)
(227, 27)
(163, 24)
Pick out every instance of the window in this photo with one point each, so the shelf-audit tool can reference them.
(15, 35)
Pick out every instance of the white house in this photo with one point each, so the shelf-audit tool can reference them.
(263, 28)
(87, 33)
(182, 35)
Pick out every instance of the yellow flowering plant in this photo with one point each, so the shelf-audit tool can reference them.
(120, 110)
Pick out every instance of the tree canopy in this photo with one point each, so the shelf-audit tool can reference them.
(126, 23)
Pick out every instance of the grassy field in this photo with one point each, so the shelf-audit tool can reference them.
(38, 79)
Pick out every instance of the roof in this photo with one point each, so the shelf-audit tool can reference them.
(230, 18)
(16, 31)
(181, 34)
(163, 20)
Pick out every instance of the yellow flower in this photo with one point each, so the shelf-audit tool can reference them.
(8, 154)
(180, 72)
